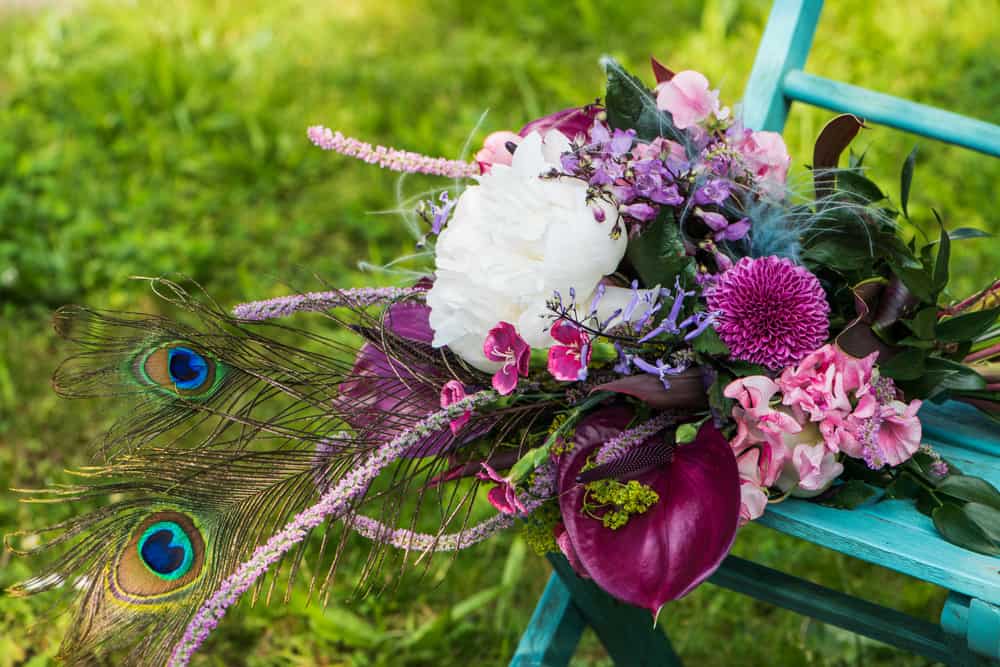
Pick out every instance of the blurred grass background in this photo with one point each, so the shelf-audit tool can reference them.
(141, 140)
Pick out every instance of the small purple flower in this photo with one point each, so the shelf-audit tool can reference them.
(641, 211)
(662, 370)
(441, 213)
(624, 365)
(621, 142)
(715, 191)
(722, 229)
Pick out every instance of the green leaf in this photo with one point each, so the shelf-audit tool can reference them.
(905, 179)
(859, 186)
(905, 486)
(956, 526)
(968, 326)
(970, 489)
(847, 496)
(907, 365)
(709, 344)
(658, 254)
(922, 324)
(943, 258)
(958, 376)
(630, 105)
(916, 280)
(986, 517)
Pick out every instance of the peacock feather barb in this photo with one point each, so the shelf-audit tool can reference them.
(242, 433)
(335, 503)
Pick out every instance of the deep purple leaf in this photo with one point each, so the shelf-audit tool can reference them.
(687, 390)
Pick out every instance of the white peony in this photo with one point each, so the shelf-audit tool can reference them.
(513, 240)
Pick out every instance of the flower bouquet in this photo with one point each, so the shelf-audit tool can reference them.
(633, 334)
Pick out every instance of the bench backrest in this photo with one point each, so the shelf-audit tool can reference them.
(777, 79)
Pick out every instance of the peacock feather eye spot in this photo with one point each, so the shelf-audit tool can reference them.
(166, 550)
(165, 555)
(179, 369)
(188, 369)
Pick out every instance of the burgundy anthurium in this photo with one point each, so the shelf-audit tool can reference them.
(380, 387)
(666, 552)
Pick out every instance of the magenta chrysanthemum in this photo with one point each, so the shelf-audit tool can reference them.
(771, 312)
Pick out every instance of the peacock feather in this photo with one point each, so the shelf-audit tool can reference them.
(232, 433)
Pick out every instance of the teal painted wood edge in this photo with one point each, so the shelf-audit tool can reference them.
(893, 111)
(627, 632)
(784, 47)
(888, 544)
(984, 628)
(961, 425)
(554, 630)
(830, 606)
(955, 614)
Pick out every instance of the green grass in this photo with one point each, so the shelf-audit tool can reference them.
(135, 141)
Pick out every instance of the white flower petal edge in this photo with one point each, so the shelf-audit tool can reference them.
(513, 240)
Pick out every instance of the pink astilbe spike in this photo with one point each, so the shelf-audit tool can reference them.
(391, 158)
(283, 306)
(408, 540)
(334, 503)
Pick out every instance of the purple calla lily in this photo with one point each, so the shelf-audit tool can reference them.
(666, 552)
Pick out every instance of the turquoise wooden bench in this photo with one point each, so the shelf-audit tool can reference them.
(890, 533)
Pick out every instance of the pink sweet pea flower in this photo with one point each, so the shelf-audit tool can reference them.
(568, 362)
(766, 157)
(757, 421)
(504, 345)
(687, 98)
(502, 496)
(495, 150)
(816, 468)
(819, 384)
(900, 433)
(883, 433)
(452, 392)
(753, 497)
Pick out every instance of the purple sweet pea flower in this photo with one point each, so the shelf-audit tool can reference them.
(715, 191)
(621, 142)
(722, 229)
(504, 345)
(641, 211)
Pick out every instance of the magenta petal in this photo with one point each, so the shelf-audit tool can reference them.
(687, 390)
(505, 380)
(410, 320)
(571, 122)
(665, 553)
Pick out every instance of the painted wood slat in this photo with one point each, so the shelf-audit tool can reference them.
(554, 631)
(784, 47)
(892, 111)
(845, 611)
(627, 632)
